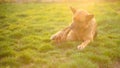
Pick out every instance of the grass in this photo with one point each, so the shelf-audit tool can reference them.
(25, 31)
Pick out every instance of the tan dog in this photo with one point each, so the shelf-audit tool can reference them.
(83, 28)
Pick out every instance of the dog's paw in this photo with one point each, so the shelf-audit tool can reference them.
(80, 47)
(52, 38)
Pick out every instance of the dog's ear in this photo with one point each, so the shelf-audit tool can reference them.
(73, 10)
(89, 17)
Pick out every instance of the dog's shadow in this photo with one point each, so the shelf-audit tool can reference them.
(66, 45)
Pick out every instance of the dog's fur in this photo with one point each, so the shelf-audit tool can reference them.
(83, 28)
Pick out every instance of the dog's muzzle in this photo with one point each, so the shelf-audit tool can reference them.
(72, 26)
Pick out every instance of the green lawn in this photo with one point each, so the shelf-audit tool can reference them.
(25, 31)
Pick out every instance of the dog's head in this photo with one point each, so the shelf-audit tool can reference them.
(80, 16)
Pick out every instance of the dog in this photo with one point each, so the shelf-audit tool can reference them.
(83, 28)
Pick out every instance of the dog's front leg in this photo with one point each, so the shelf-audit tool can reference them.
(61, 35)
(65, 34)
(83, 44)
